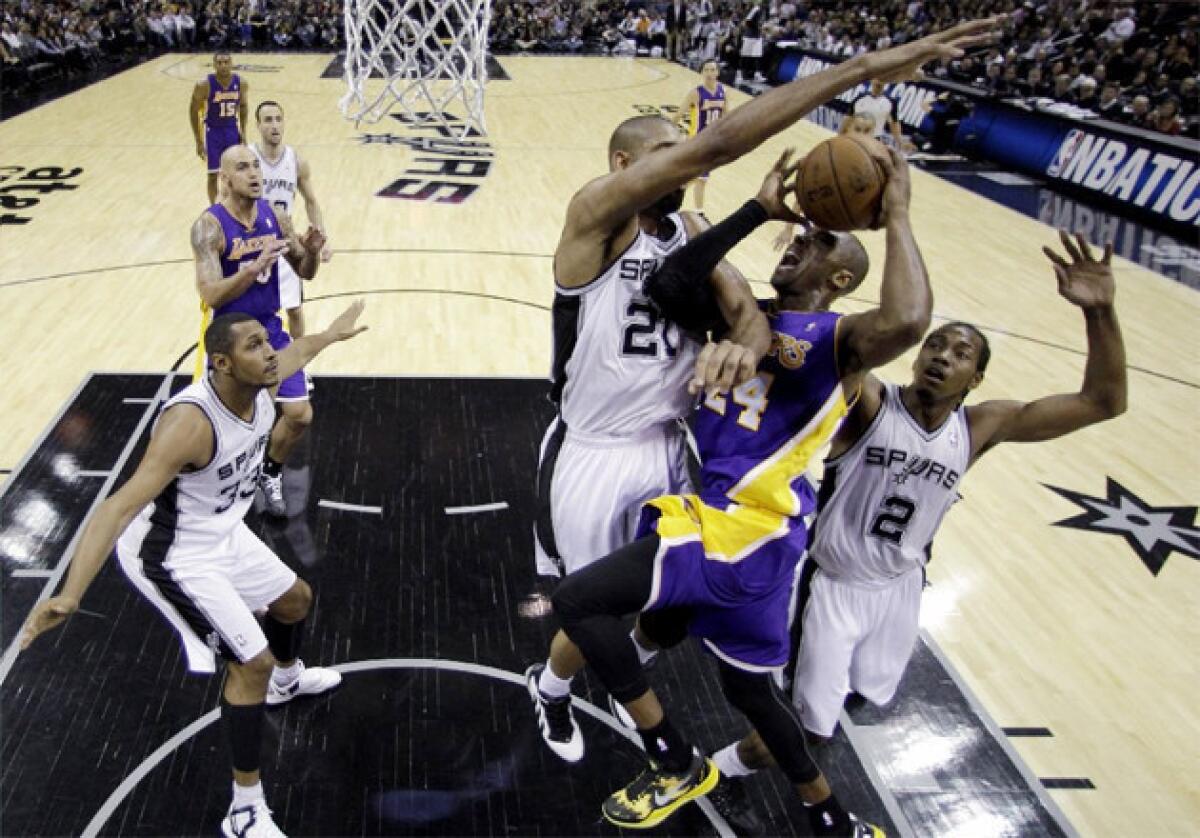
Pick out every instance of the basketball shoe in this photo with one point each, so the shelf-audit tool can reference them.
(730, 801)
(250, 821)
(555, 718)
(272, 490)
(312, 681)
(656, 793)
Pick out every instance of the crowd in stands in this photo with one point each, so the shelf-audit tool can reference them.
(1131, 62)
(41, 39)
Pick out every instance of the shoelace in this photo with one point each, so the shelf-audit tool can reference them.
(558, 715)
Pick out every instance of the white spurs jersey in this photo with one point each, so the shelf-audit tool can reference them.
(200, 508)
(620, 368)
(279, 178)
(882, 500)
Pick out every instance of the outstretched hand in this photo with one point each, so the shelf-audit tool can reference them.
(1086, 281)
(343, 327)
(313, 241)
(904, 62)
(45, 616)
(898, 193)
(777, 185)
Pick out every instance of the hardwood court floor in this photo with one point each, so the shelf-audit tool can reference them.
(1051, 627)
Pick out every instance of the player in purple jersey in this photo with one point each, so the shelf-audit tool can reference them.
(236, 244)
(222, 100)
(720, 564)
(701, 108)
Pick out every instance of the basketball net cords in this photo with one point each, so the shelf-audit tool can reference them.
(420, 62)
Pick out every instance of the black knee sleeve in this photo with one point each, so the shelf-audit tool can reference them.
(665, 627)
(283, 639)
(243, 727)
(765, 707)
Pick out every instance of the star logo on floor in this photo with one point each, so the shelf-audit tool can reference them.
(1154, 532)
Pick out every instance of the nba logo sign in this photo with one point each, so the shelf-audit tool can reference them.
(1065, 152)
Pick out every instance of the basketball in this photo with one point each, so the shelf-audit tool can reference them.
(841, 185)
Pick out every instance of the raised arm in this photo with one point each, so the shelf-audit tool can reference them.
(195, 106)
(183, 437)
(207, 243)
(1088, 283)
(303, 252)
(874, 337)
(607, 202)
(296, 355)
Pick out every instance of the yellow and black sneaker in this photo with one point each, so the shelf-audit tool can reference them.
(656, 793)
(862, 829)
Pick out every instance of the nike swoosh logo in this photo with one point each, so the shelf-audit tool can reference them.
(660, 800)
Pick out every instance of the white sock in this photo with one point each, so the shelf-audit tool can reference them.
(287, 674)
(245, 795)
(644, 655)
(551, 686)
(729, 764)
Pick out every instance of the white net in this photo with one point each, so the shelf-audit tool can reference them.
(429, 57)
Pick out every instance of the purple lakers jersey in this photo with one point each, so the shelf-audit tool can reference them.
(757, 442)
(261, 299)
(709, 108)
(223, 103)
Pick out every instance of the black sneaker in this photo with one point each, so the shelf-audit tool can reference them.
(730, 801)
(656, 793)
(555, 718)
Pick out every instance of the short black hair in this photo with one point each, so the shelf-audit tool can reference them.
(218, 337)
(223, 52)
(985, 348)
(263, 104)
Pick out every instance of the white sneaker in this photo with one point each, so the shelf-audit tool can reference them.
(312, 681)
(555, 719)
(272, 489)
(250, 821)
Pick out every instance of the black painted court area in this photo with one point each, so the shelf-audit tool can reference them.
(433, 734)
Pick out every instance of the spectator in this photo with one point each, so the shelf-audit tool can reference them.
(1139, 112)
(1110, 106)
(1165, 118)
(1085, 95)
(1034, 87)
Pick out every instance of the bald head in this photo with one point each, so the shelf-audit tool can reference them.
(849, 256)
(241, 172)
(641, 134)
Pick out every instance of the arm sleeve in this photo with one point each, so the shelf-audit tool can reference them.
(680, 287)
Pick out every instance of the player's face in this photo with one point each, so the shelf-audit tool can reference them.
(804, 262)
(862, 127)
(709, 73)
(223, 65)
(947, 364)
(244, 174)
(270, 125)
(253, 362)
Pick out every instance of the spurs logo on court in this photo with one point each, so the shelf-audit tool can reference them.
(1154, 532)
(20, 186)
(455, 164)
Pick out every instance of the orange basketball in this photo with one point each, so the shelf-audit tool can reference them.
(841, 185)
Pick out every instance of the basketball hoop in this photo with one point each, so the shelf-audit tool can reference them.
(426, 54)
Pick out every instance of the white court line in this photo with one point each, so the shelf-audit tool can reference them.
(10, 654)
(137, 401)
(167, 748)
(33, 573)
(93, 473)
(350, 507)
(864, 753)
(483, 507)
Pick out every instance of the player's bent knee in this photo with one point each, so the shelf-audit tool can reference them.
(254, 671)
(293, 605)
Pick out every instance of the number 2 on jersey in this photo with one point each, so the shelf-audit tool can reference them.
(893, 517)
(751, 395)
(643, 334)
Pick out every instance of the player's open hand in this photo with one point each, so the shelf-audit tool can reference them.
(903, 63)
(345, 326)
(47, 615)
(777, 185)
(1085, 280)
(269, 255)
(313, 241)
(898, 193)
(721, 367)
